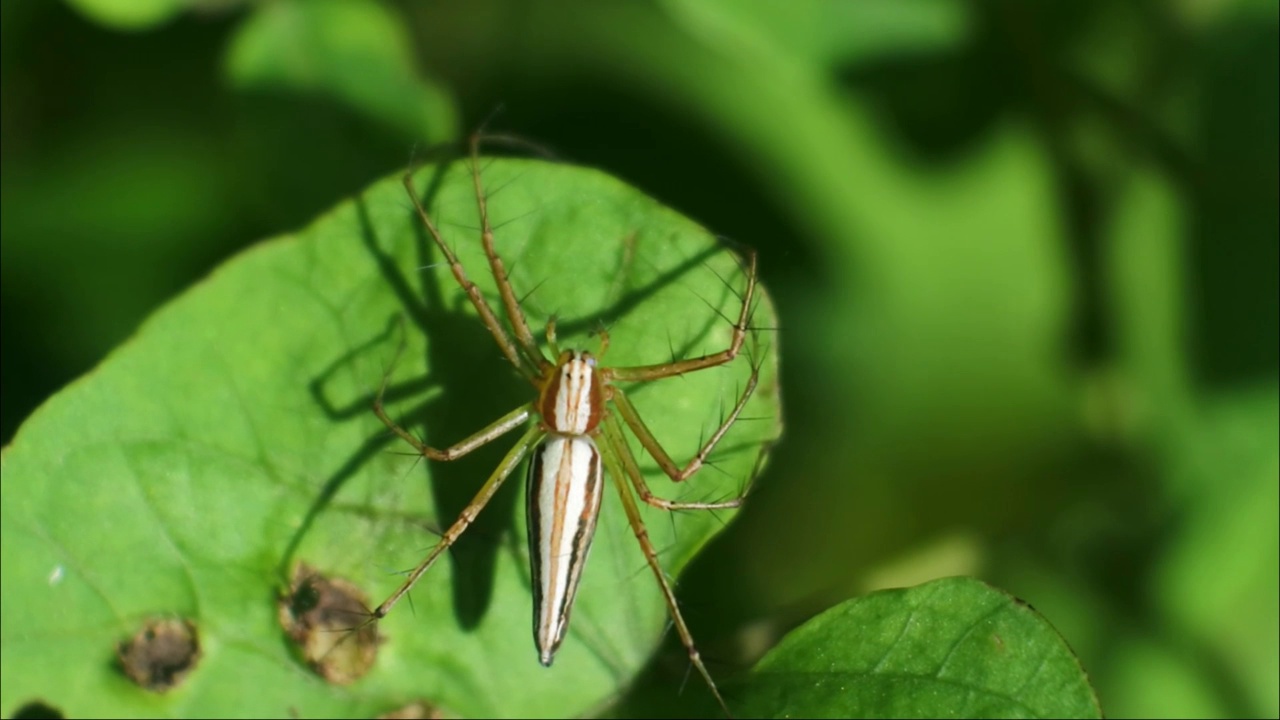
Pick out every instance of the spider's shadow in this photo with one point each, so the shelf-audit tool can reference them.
(472, 385)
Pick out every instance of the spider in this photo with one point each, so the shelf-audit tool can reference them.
(574, 431)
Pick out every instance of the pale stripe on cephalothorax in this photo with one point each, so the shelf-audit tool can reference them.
(575, 396)
(564, 502)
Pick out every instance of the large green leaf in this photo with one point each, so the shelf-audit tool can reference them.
(232, 439)
(949, 648)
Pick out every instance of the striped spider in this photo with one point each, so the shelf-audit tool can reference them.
(573, 430)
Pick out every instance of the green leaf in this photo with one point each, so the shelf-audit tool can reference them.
(949, 648)
(231, 439)
(355, 51)
(130, 14)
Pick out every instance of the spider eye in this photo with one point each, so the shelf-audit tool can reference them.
(589, 359)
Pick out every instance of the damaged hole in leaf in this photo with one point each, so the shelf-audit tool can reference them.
(328, 621)
(161, 654)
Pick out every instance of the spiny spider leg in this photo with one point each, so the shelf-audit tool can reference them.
(524, 337)
(484, 436)
(642, 373)
(531, 437)
(510, 349)
(650, 443)
(651, 557)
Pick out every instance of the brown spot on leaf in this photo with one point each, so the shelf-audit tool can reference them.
(328, 621)
(161, 654)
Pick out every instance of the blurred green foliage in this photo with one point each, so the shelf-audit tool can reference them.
(1025, 257)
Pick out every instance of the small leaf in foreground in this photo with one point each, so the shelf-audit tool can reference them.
(954, 647)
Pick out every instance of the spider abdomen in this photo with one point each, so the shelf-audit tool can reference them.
(564, 504)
